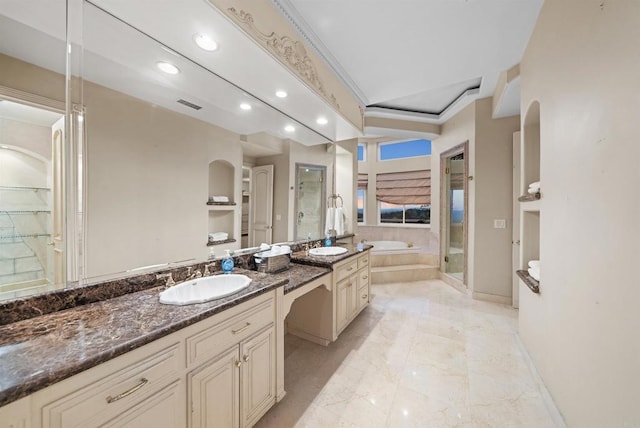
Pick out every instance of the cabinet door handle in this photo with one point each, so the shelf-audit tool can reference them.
(238, 363)
(245, 358)
(143, 382)
(364, 296)
(365, 277)
(241, 329)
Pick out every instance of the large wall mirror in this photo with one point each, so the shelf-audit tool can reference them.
(146, 137)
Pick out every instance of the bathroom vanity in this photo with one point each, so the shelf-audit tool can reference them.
(132, 361)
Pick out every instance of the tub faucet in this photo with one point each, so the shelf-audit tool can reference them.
(169, 278)
(208, 272)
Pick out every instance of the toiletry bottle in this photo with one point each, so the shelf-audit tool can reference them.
(212, 254)
(227, 263)
(327, 240)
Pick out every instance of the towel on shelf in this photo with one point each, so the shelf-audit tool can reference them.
(534, 273)
(534, 187)
(535, 264)
(218, 236)
(220, 198)
(339, 221)
(330, 221)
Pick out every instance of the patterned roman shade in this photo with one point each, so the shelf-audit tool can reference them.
(363, 181)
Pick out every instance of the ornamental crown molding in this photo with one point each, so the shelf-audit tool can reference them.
(289, 50)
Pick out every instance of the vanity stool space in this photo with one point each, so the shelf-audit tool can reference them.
(325, 311)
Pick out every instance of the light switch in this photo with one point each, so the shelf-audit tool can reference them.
(499, 223)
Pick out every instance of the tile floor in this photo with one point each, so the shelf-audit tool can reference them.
(421, 355)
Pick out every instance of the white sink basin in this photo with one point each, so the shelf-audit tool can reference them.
(202, 290)
(327, 251)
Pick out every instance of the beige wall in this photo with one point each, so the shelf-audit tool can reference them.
(147, 182)
(493, 181)
(491, 165)
(457, 130)
(30, 78)
(582, 65)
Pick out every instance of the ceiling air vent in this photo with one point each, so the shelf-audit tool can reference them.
(188, 104)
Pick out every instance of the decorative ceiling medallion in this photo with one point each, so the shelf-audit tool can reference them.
(288, 49)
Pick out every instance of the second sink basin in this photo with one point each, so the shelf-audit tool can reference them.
(327, 251)
(202, 290)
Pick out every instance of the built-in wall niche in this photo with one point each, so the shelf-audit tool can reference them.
(530, 153)
(530, 199)
(221, 204)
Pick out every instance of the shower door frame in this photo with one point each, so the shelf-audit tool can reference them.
(323, 199)
(444, 213)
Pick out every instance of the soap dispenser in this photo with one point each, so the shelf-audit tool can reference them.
(327, 240)
(227, 263)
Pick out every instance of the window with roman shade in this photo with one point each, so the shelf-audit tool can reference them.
(404, 188)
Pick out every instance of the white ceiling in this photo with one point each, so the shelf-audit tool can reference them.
(417, 55)
(412, 59)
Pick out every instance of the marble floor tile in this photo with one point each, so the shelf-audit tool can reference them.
(420, 355)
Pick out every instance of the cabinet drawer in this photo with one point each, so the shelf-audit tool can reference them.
(363, 261)
(346, 270)
(210, 342)
(363, 297)
(363, 277)
(101, 401)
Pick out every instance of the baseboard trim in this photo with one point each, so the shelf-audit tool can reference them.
(307, 336)
(553, 410)
(494, 298)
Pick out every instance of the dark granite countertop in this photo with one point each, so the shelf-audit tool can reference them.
(43, 350)
(328, 261)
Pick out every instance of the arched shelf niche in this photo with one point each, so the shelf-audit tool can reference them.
(221, 203)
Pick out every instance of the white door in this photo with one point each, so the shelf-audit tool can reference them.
(515, 223)
(56, 245)
(261, 214)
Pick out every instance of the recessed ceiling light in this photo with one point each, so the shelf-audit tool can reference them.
(289, 128)
(245, 106)
(322, 121)
(168, 67)
(205, 42)
(281, 94)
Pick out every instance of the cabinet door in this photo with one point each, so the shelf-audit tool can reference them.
(214, 392)
(15, 415)
(343, 301)
(165, 409)
(258, 375)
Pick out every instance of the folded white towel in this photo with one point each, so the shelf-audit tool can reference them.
(339, 221)
(264, 246)
(533, 191)
(218, 236)
(534, 273)
(535, 186)
(534, 264)
(330, 220)
(220, 198)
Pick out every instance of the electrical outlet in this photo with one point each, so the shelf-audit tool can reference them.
(499, 223)
(278, 217)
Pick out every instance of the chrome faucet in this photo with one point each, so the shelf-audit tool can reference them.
(208, 272)
(169, 278)
(196, 274)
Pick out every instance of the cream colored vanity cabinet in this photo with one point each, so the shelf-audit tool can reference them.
(141, 388)
(16, 414)
(235, 387)
(351, 278)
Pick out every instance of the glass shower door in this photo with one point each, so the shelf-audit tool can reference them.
(310, 201)
(455, 216)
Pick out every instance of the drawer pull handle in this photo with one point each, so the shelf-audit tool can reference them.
(143, 382)
(364, 296)
(350, 269)
(245, 358)
(238, 363)
(365, 277)
(241, 329)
